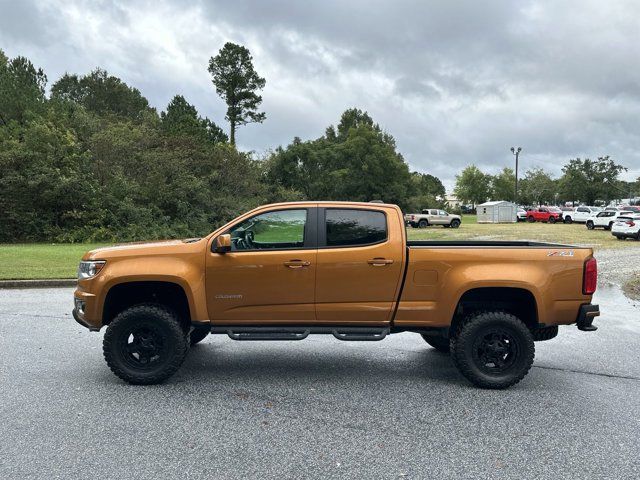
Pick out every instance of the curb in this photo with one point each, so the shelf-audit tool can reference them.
(50, 283)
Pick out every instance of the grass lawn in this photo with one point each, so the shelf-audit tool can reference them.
(573, 234)
(41, 260)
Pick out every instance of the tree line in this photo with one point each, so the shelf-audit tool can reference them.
(583, 181)
(91, 160)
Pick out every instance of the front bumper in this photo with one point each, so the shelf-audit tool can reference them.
(586, 314)
(78, 318)
(86, 308)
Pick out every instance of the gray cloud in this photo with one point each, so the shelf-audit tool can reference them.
(454, 82)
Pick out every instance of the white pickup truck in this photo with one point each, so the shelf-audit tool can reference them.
(580, 214)
(432, 216)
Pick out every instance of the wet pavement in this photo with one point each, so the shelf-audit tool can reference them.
(316, 408)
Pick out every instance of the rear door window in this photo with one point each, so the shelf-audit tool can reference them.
(351, 227)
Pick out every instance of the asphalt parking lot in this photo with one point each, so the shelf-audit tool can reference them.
(317, 408)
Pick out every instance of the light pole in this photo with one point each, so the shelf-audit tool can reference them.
(516, 151)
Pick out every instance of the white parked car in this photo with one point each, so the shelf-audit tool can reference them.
(627, 226)
(605, 219)
(580, 214)
(521, 214)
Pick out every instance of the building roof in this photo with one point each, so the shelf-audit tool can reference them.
(495, 202)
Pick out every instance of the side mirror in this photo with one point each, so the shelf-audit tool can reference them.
(223, 243)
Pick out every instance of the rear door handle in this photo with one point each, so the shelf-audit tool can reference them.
(297, 263)
(379, 262)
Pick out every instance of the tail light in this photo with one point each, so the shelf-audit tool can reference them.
(590, 278)
(631, 223)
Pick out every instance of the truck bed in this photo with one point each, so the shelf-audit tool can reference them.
(438, 273)
(485, 243)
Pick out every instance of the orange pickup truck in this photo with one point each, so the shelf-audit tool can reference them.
(284, 271)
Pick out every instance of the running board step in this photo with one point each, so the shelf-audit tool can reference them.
(371, 334)
(360, 334)
(268, 333)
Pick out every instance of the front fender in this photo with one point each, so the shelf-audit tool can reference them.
(186, 271)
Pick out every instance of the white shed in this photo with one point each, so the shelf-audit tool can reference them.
(499, 211)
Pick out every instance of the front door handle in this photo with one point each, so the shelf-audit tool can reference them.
(297, 263)
(379, 262)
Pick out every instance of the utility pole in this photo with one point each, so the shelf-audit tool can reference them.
(516, 151)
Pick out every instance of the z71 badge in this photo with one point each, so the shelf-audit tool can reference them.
(560, 253)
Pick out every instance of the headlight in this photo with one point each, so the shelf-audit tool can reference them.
(90, 269)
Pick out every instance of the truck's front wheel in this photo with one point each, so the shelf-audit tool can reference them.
(145, 344)
(493, 349)
(441, 344)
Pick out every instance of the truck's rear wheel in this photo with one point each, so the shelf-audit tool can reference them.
(441, 344)
(145, 344)
(423, 224)
(197, 335)
(493, 349)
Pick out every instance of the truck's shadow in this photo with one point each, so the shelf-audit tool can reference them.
(214, 362)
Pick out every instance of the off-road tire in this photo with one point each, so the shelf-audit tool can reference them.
(423, 224)
(166, 331)
(467, 344)
(545, 333)
(197, 335)
(441, 344)
(590, 225)
(455, 223)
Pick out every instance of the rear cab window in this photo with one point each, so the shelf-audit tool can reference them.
(354, 227)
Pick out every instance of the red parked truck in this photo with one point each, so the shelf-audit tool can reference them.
(544, 214)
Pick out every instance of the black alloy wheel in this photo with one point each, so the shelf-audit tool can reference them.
(145, 344)
(493, 349)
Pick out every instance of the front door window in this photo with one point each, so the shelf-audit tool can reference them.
(281, 229)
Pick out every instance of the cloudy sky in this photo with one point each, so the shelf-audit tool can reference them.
(455, 82)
